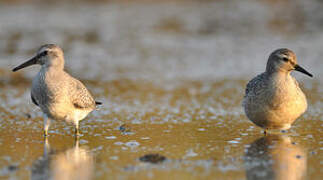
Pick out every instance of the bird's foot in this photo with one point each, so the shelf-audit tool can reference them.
(77, 132)
(45, 133)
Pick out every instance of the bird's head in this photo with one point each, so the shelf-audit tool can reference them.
(49, 55)
(284, 60)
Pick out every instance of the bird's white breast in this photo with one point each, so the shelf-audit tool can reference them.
(277, 104)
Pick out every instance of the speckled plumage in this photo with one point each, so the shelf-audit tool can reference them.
(273, 99)
(59, 95)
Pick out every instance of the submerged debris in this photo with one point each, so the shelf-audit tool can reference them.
(28, 116)
(125, 129)
(13, 168)
(298, 156)
(152, 158)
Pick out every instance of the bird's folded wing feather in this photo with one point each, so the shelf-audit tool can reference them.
(255, 84)
(33, 99)
(81, 97)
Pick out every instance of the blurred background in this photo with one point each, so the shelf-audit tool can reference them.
(166, 69)
(163, 40)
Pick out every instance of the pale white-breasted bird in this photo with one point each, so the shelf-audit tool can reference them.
(273, 99)
(58, 94)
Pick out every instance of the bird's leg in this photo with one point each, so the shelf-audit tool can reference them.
(46, 124)
(77, 132)
(76, 142)
(46, 147)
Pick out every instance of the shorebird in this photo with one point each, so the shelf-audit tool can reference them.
(59, 95)
(273, 99)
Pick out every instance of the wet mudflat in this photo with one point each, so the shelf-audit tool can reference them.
(198, 135)
(171, 84)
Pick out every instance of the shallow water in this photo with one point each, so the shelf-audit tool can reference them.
(171, 83)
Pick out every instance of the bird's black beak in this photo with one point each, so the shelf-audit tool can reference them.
(300, 69)
(27, 63)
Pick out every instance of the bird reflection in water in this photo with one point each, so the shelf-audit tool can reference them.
(73, 164)
(275, 157)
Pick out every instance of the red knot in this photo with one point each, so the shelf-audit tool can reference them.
(58, 94)
(273, 99)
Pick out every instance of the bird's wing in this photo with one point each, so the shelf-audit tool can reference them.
(33, 99)
(254, 85)
(81, 97)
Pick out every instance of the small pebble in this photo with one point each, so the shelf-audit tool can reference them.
(12, 168)
(28, 116)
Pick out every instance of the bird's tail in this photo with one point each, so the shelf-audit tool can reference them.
(98, 103)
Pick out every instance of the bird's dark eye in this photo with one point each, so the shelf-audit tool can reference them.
(44, 53)
(285, 59)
